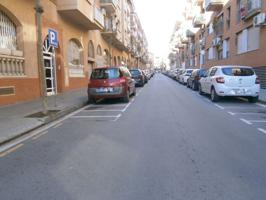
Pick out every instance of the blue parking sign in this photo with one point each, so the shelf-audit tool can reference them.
(53, 37)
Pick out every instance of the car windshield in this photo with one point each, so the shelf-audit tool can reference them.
(135, 72)
(112, 73)
(238, 71)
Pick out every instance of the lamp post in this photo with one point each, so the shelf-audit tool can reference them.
(39, 11)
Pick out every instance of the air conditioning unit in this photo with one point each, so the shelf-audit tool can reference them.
(216, 42)
(259, 20)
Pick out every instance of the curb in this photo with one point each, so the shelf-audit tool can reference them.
(46, 120)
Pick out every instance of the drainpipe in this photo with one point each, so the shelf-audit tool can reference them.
(39, 10)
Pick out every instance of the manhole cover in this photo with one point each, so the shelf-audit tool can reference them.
(40, 114)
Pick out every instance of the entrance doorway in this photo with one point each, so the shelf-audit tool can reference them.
(50, 68)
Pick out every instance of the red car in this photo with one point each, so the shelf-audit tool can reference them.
(109, 83)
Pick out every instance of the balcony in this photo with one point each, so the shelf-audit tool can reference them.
(111, 35)
(80, 12)
(214, 5)
(249, 9)
(190, 34)
(198, 21)
(218, 28)
(98, 17)
(184, 40)
(109, 5)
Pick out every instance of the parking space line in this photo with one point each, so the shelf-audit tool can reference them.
(262, 130)
(101, 110)
(39, 135)
(126, 107)
(110, 116)
(231, 113)
(258, 121)
(246, 121)
(12, 149)
(261, 105)
(218, 106)
(117, 117)
(243, 113)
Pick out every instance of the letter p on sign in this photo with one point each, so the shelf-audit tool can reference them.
(53, 37)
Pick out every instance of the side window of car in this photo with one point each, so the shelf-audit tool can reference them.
(213, 71)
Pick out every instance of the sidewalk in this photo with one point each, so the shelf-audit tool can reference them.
(13, 120)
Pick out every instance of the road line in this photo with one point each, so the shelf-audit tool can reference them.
(126, 107)
(12, 149)
(221, 107)
(262, 130)
(117, 117)
(39, 135)
(261, 105)
(246, 121)
(231, 113)
(258, 121)
(78, 117)
(101, 110)
(58, 125)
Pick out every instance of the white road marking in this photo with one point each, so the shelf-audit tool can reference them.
(39, 130)
(231, 113)
(10, 150)
(258, 121)
(117, 117)
(58, 125)
(39, 135)
(78, 116)
(126, 107)
(262, 130)
(221, 107)
(101, 110)
(261, 105)
(246, 121)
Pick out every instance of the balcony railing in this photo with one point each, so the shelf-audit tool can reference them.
(109, 5)
(213, 5)
(79, 12)
(11, 66)
(98, 16)
(198, 21)
(250, 8)
(218, 28)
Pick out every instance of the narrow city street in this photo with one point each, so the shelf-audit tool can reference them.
(168, 143)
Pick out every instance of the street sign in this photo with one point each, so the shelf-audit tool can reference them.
(53, 37)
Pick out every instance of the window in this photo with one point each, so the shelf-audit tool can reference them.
(99, 50)
(238, 71)
(111, 73)
(238, 16)
(91, 50)
(226, 49)
(213, 71)
(228, 19)
(211, 53)
(248, 40)
(8, 34)
(74, 54)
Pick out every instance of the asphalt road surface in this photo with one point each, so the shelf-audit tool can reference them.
(168, 143)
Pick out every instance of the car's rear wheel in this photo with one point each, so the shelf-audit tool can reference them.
(214, 96)
(200, 90)
(193, 86)
(92, 100)
(253, 99)
(134, 92)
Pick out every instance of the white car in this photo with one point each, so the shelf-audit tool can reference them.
(184, 77)
(221, 81)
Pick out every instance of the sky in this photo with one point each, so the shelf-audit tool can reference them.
(158, 21)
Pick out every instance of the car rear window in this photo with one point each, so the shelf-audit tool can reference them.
(105, 73)
(135, 72)
(237, 71)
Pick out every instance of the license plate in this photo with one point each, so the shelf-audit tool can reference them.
(240, 91)
(101, 90)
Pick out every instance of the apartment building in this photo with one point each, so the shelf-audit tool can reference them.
(91, 33)
(230, 32)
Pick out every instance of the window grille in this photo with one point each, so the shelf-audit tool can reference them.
(8, 34)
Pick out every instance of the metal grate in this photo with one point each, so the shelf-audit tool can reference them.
(8, 34)
(6, 91)
(261, 72)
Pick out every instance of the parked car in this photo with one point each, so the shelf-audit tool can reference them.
(223, 81)
(146, 78)
(111, 82)
(185, 75)
(179, 74)
(138, 76)
(193, 80)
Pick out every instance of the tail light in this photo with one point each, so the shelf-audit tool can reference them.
(122, 80)
(257, 80)
(220, 80)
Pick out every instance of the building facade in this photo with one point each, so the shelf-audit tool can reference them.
(91, 33)
(230, 32)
